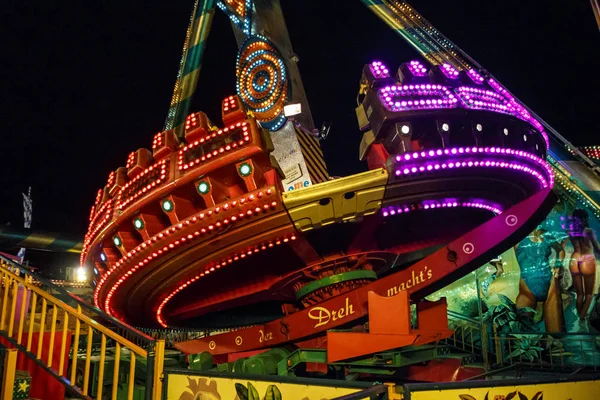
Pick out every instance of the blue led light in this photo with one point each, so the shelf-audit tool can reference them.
(243, 22)
(262, 81)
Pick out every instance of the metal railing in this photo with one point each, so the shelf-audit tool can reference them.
(8, 373)
(565, 351)
(28, 307)
(466, 337)
(172, 336)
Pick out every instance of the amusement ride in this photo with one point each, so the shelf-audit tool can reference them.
(234, 227)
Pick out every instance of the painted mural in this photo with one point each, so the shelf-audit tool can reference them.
(547, 284)
(582, 390)
(194, 387)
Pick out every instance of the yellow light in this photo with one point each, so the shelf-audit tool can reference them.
(81, 275)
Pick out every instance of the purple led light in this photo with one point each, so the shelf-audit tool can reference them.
(480, 99)
(449, 71)
(519, 110)
(417, 69)
(441, 204)
(468, 157)
(475, 76)
(379, 70)
(416, 97)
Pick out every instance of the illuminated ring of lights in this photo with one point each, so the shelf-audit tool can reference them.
(468, 248)
(262, 81)
(511, 220)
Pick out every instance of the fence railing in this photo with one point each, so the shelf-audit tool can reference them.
(567, 351)
(34, 316)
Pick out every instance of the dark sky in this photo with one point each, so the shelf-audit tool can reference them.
(85, 83)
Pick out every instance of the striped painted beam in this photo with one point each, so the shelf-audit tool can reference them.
(596, 8)
(28, 239)
(191, 62)
(418, 32)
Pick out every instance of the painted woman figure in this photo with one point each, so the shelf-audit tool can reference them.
(539, 280)
(583, 261)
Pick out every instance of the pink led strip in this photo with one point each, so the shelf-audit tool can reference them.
(228, 260)
(431, 155)
(412, 97)
(481, 99)
(441, 204)
(521, 112)
(379, 70)
(224, 207)
(245, 139)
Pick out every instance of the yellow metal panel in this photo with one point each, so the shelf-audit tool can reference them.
(180, 386)
(339, 200)
(582, 390)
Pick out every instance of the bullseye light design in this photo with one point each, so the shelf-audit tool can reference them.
(165, 237)
(441, 204)
(262, 81)
(474, 157)
(221, 263)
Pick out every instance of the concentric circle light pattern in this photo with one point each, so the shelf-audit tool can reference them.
(262, 81)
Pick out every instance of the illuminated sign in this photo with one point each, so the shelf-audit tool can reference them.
(292, 109)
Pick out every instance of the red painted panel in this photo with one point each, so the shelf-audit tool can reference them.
(472, 249)
(42, 383)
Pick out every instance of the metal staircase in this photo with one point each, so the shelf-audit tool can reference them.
(90, 353)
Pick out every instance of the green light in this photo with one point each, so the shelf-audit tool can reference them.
(167, 205)
(245, 169)
(117, 241)
(203, 187)
(138, 223)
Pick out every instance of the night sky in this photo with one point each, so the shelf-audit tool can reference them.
(85, 83)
